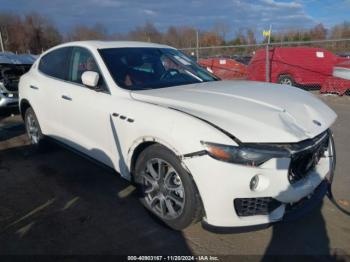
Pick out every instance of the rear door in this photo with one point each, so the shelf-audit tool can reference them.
(45, 89)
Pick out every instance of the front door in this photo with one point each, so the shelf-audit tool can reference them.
(85, 112)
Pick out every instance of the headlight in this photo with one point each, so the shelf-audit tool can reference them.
(244, 155)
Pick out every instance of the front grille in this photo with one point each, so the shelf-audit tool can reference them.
(255, 206)
(304, 161)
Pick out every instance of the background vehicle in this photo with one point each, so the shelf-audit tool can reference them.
(11, 68)
(339, 82)
(297, 66)
(229, 153)
(243, 59)
(225, 68)
(344, 54)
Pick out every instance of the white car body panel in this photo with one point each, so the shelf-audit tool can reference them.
(180, 118)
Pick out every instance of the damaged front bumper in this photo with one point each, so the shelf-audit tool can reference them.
(232, 206)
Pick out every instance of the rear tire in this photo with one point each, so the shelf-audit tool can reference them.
(36, 137)
(286, 80)
(166, 189)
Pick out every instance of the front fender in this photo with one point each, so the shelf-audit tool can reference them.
(179, 132)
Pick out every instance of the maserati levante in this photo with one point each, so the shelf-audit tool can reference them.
(232, 154)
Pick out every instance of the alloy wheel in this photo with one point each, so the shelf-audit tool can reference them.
(286, 81)
(163, 189)
(33, 129)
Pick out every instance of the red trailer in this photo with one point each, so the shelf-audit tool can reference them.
(298, 66)
(225, 68)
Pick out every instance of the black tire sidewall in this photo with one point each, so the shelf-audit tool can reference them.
(28, 112)
(192, 200)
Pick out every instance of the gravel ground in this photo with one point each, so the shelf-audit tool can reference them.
(58, 203)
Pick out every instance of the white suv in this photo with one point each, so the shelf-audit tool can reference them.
(229, 153)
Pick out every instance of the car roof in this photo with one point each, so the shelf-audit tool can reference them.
(113, 44)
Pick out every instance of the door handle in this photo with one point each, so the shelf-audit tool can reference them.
(66, 98)
(34, 87)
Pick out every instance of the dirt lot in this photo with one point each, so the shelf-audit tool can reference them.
(60, 203)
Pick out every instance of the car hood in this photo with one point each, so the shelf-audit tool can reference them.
(253, 112)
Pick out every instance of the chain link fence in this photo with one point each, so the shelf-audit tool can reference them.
(312, 65)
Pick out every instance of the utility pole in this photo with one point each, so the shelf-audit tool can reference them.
(1, 43)
(197, 45)
(268, 56)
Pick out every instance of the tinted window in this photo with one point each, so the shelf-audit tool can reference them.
(82, 60)
(55, 63)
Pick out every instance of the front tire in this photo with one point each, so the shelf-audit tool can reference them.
(33, 129)
(166, 189)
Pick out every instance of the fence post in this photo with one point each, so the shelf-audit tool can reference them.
(267, 64)
(197, 45)
(268, 57)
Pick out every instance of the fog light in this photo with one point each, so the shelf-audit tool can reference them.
(254, 182)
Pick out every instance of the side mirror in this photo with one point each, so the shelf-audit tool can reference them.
(90, 78)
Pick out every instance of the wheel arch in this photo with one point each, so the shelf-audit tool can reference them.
(285, 73)
(24, 105)
(141, 144)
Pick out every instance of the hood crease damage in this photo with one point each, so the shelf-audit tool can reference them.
(247, 111)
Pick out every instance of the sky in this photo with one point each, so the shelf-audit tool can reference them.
(124, 15)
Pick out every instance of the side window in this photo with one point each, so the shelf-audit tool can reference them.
(55, 63)
(81, 61)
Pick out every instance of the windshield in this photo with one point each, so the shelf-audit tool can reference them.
(150, 68)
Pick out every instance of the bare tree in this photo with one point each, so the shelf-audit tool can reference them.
(222, 29)
(319, 32)
(80, 32)
(32, 33)
(13, 32)
(341, 30)
(251, 40)
(148, 33)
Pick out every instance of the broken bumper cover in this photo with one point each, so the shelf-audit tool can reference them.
(220, 184)
(292, 212)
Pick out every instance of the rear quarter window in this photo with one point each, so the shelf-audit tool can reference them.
(55, 63)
